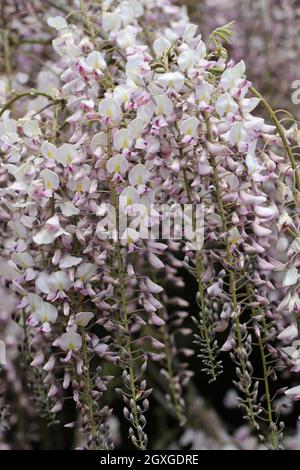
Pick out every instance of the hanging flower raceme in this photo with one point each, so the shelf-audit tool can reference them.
(146, 156)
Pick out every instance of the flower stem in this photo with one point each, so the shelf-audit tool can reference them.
(127, 360)
(87, 394)
(267, 390)
(265, 378)
(129, 364)
(201, 290)
(281, 132)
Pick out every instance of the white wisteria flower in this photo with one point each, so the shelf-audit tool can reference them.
(160, 45)
(138, 175)
(111, 109)
(225, 104)
(51, 179)
(50, 232)
(293, 393)
(70, 341)
(83, 318)
(117, 164)
(289, 333)
(189, 126)
(96, 60)
(86, 271)
(129, 196)
(65, 154)
(55, 283)
(291, 277)
(164, 105)
(129, 236)
(68, 261)
(172, 80)
(49, 151)
(231, 76)
(122, 139)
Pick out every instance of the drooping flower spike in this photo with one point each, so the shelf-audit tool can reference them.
(135, 124)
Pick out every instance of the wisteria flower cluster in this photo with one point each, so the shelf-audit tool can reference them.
(267, 34)
(128, 112)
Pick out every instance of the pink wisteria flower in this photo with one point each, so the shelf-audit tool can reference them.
(130, 116)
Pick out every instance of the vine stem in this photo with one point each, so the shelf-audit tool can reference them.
(31, 93)
(281, 132)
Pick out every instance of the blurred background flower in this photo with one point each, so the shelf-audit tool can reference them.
(267, 36)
